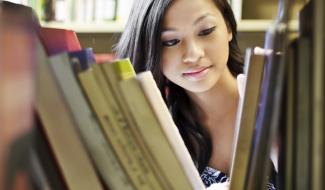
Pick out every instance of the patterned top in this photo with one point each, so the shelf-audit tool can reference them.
(210, 176)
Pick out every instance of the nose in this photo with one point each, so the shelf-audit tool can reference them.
(193, 52)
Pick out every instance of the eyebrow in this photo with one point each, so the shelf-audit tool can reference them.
(194, 23)
(201, 18)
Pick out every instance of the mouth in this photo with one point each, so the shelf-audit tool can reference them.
(197, 73)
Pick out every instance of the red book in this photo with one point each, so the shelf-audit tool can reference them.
(57, 41)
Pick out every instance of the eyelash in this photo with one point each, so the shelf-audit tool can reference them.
(207, 31)
(170, 43)
(173, 42)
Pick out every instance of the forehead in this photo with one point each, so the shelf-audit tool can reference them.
(185, 11)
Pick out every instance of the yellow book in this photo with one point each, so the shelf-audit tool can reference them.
(115, 128)
(171, 159)
(115, 73)
(246, 120)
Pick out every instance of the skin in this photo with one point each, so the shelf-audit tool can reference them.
(196, 49)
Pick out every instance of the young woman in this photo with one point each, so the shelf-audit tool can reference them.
(191, 48)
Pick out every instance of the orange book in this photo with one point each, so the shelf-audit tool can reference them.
(104, 57)
(57, 41)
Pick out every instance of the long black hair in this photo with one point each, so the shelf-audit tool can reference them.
(141, 42)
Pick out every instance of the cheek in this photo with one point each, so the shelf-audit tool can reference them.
(166, 66)
(218, 51)
(168, 69)
(171, 55)
(170, 60)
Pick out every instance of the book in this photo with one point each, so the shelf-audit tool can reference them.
(286, 165)
(46, 173)
(115, 129)
(236, 6)
(123, 10)
(114, 73)
(270, 112)
(158, 146)
(318, 105)
(84, 58)
(57, 40)
(303, 139)
(49, 10)
(38, 172)
(60, 129)
(105, 10)
(17, 70)
(246, 119)
(104, 57)
(87, 124)
(170, 131)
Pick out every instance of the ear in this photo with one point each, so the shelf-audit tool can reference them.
(229, 35)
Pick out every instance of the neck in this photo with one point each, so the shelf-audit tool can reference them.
(218, 108)
(220, 100)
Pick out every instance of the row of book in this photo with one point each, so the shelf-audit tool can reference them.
(281, 116)
(131, 149)
(304, 152)
(80, 11)
(81, 128)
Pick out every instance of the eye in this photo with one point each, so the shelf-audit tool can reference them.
(170, 42)
(207, 31)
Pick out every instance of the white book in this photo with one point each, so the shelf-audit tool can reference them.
(237, 6)
(104, 10)
(123, 9)
(169, 128)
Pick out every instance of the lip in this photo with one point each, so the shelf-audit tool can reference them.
(197, 73)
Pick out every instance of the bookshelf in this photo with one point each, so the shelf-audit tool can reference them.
(251, 27)
(251, 31)
(261, 25)
(247, 25)
(256, 17)
(91, 27)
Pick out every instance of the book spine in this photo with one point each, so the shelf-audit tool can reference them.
(170, 129)
(60, 131)
(97, 145)
(303, 116)
(116, 131)
(155, 140)
(115, 73)
(246, 120)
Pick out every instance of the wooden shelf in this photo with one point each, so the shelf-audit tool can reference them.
(262, 25)
(102, 27)
(117, 27)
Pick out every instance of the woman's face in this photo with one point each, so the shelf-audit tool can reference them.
(195, 43)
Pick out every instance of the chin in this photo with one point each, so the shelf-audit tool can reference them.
(200, 88)
(203, 85)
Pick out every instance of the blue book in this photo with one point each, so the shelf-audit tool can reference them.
(82, 59)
